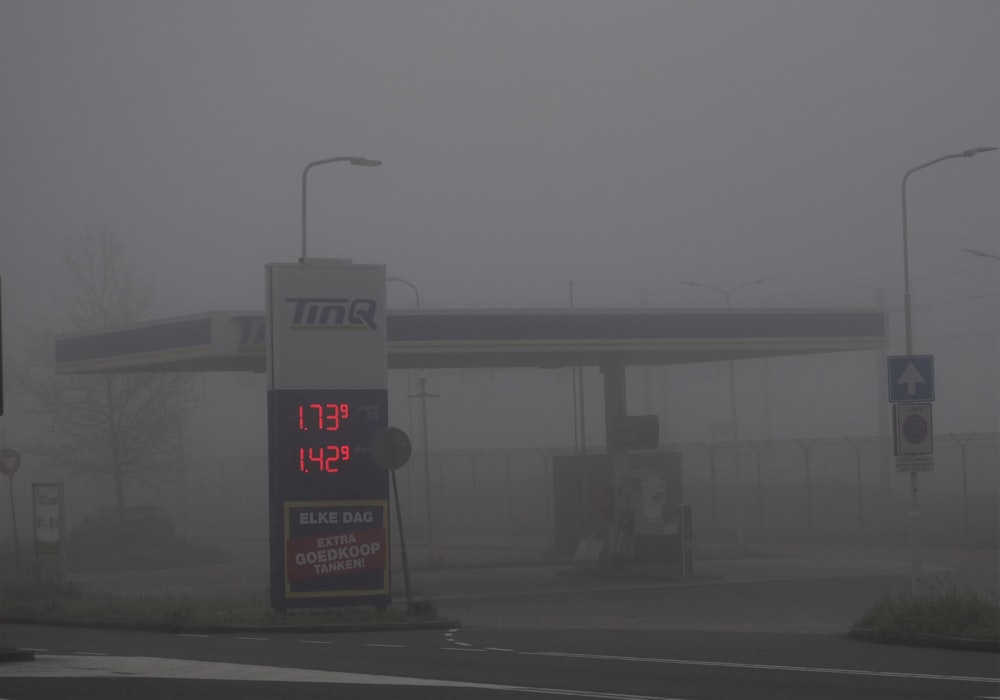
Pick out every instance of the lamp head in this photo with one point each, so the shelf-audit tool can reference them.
(355, 160)
(976, 151)
(980, 253)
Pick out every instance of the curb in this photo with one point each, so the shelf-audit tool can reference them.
(639, 576)
(921, 639)
(168, 628)
(7, 654)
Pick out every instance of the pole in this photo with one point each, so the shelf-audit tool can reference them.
(916, 572)
(13, 523)
(760, 489)
(916, 565)
(402, 543)
(728, 294)
(507, 456)
(427, 467)
(409, 387)
(740, 534)
(576, 415)
(710, 448)
(807, 448)
(858, 446)
(963, 444)
(423, 396)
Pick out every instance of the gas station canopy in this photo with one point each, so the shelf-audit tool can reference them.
(235, 341)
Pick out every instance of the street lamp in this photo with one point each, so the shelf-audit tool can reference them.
(727, 294)
(907, 321)
(416, 292)
(980, 253)
(353, 160)
(906, 255)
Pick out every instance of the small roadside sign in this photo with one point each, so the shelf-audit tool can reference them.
(10, 461)
(914, 434)
(915, 463)
(911, 378)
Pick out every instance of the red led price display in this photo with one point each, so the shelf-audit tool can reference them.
(323, 417)
(323, 458)
(323, 431)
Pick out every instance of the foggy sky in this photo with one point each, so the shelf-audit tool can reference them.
(627, 146)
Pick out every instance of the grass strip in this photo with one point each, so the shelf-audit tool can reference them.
(46, 598)
(946, 613)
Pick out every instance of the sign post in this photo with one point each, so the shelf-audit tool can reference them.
(391, 449)
(327, 399)
(10, 462)
(911, 389)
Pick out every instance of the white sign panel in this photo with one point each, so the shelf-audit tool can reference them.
(914, 429)
(47, 515)
(915, 463)
(326, 325)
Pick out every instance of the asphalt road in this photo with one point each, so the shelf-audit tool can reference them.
(578, 663)
(763, 628)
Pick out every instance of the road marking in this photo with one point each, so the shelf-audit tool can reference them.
(197, 636)
(497, 649)
(463, 644)
(461, 649)
(313, 641)
(387, 646)
(90, 653)
(765, 667)
(253, 639)
(59, 666)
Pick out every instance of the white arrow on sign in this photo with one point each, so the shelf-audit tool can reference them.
(911, 377)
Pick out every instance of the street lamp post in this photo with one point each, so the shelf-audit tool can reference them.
(353, 160)
(908, 325)
(727, 294)
(423, 395)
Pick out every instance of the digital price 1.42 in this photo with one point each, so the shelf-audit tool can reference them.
(324, 458)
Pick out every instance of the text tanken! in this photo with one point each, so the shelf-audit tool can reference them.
(332, 567)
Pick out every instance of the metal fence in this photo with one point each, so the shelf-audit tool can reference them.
(808, 489)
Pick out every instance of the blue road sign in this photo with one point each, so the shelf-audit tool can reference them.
(911, 378)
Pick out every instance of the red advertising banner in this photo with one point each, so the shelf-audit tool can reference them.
(335, 550)
(321, 556)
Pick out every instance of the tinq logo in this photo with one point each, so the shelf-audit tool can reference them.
(333, 314)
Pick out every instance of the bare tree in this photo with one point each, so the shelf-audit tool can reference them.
(127, 427)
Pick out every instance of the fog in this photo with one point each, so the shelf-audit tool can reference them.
(623, 147)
